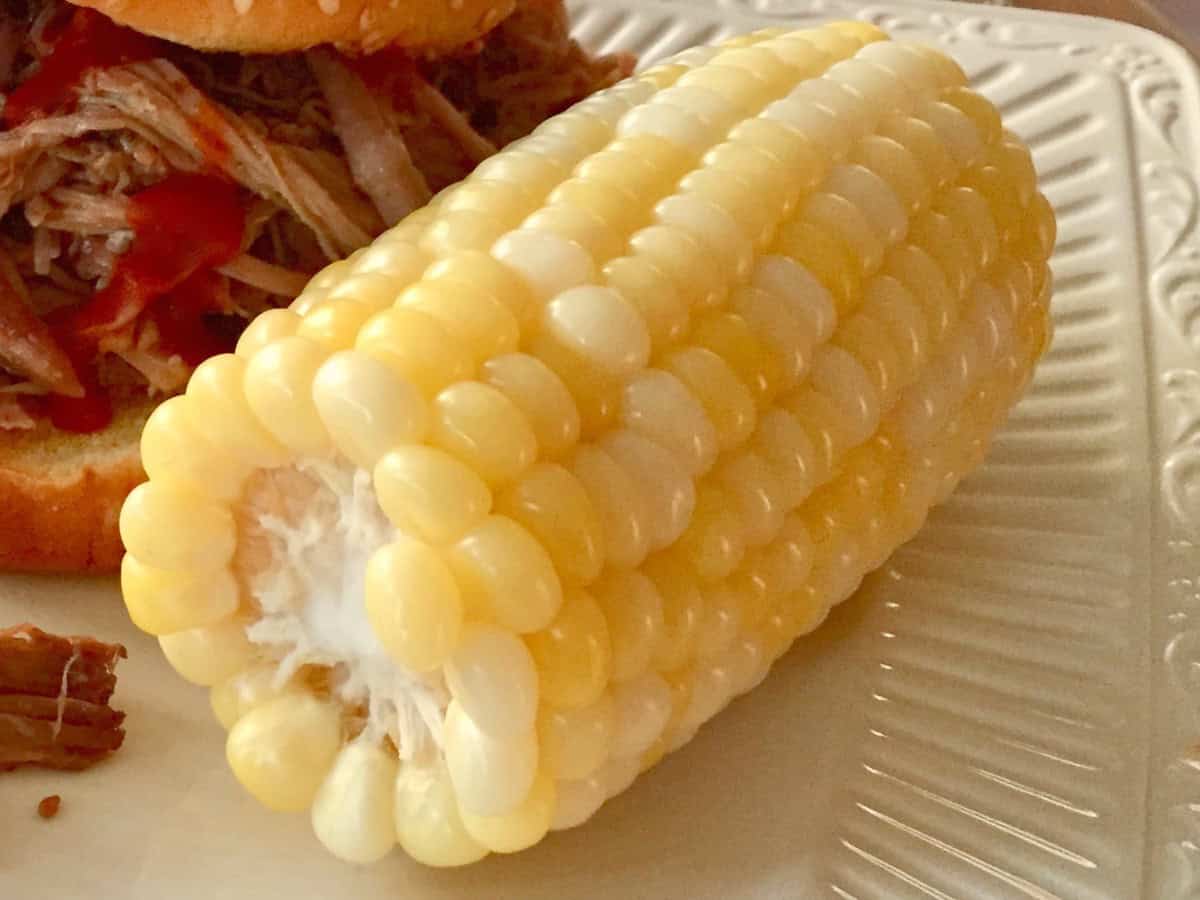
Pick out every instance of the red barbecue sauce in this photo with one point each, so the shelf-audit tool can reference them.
(184, 227)
(87, 41)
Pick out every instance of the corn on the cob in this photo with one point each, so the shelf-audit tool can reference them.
(514, 500)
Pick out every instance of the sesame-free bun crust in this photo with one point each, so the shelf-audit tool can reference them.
(281, 26)
(61, 494)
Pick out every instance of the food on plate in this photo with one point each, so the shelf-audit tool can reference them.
(512, 502)
(155, 197)
(48, 807)
(54, 700)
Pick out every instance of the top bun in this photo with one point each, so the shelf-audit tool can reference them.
(281, 26)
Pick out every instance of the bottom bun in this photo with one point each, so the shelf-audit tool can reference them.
(61, 494)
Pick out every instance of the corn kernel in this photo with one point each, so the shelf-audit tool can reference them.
(727, 402)
(209, 654)
(170, 526)
(491, 776)
(221, 411)
(279, 390)
(174, 448)
(413, 604)
(624, 512)
(429, 826)
(657, 404)
(573, 654)
(485, 325)
(367, 408)
(492, 676)
(281, 751)
(519, 828)
(554, 505)
(160, 601)
(416, 347)
(479, 425)
(574, 743)
(506, 575)
(266, 328)
(352, 813)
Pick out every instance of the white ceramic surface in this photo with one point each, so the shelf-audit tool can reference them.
(1010, 709)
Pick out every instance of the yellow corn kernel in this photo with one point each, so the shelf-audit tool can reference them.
(493, 678)
(730, 337)
(491, 775)
(366, 408)
(352, 812)
(413, 604)
(270, 326)
(417, 347)
(574, 743)
(554, 505)
(430, 493)
(216, 391)
(208, 654)
(670, 494)
(682, 608)
(547, 263)
(826, 256)
(677, 253)
(235, 696)
(175, 449)
(479, 425)
(279, 383)
(334, 322)
(540, 395)
(399, 261)
(657, 405)
(573, 654)
(170, 526)
(715, 541)
(625, 514)
(281, 751)
(599, 327)
(728, 403)
(429, 826)
(506, 575)
(480, 272)
(517, 828)
(633, 610)
(642, 710)
(161, 601)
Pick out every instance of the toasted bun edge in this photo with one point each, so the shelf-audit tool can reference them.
(61, 495)
(282, 26)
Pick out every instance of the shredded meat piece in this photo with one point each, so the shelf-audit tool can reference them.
(54, 700)
(78, 211)
(265, 276)
(26, 345)
(195, 132)
(443, 113)
(13, 415)
(378, 157)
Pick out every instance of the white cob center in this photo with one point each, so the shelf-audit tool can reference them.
(310, 591)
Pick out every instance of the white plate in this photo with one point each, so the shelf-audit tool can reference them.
(1009, 710)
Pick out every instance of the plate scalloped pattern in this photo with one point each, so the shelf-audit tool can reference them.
(1031, 708)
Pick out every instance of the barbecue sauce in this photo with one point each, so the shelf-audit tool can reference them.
(184, 227)
(88, 41)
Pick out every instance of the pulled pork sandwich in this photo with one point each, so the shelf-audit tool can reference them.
(168, 170)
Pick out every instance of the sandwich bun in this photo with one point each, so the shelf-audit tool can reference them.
(282, 26)
(61, 494)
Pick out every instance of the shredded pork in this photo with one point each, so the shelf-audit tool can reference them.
(326, 159)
